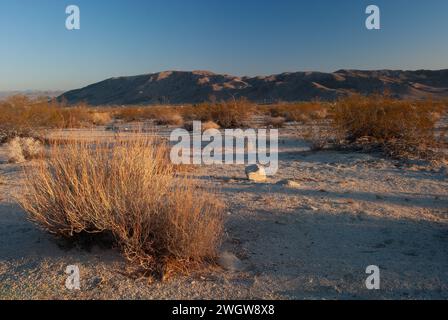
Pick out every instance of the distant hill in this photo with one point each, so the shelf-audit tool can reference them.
(181, 87)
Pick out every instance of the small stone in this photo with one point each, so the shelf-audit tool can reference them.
(289, 183)
(309, 207)
(230, 262)
(256, 173)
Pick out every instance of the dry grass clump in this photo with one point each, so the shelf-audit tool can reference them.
(128, 188)
(22, 149)
(275, 122)
(210, 125)
(100, 118)
(170, 118)
(401, 127)
(128, 114)
(233, 113)
(204, 126)
(319, 135)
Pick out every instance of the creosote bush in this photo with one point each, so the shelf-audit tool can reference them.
(401, 127)
(163, 222)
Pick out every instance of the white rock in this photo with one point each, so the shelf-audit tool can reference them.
(256, 173)
(289, 183)
(229, 261)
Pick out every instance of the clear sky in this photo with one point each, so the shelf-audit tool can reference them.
(239, 37)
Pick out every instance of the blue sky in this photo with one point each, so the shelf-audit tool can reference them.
(240, 37)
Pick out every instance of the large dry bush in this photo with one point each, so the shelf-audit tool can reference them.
(401, 127)
(126, 187)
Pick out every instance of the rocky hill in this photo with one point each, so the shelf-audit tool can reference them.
(181, 87)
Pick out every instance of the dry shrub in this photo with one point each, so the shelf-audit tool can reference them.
(204, 126)
(126, 187)
(169, 118)
(100, 118)
(210, 125)
(319, 135)
(22, 149)
(402, 127)
(299, 112)
(233, 113)
(275, 122)
(128, 114)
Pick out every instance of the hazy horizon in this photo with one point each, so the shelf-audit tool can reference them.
(199, 69)
(122, 38)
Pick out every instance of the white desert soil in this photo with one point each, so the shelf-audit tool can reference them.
(314, 241)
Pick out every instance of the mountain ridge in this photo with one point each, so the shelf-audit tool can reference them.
(185, 87)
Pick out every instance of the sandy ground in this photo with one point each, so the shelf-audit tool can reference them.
(315, 241)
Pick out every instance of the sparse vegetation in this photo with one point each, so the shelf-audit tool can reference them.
(24, 117)
(138, 113)
(298, 112)
(399, 127)
(162, 222)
